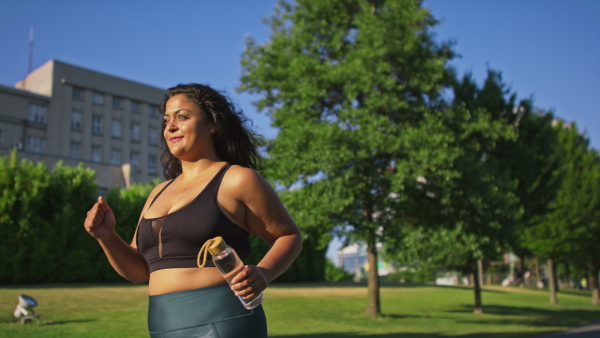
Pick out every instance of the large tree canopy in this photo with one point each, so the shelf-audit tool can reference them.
(351, 86)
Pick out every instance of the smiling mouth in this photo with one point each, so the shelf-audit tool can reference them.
(175, 139)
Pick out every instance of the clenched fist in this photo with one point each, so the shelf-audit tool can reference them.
(100, 221)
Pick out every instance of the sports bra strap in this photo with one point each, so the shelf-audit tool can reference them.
(160, 192)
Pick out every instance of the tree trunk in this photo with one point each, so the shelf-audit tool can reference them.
(567, 275)
(552, 281)
(536, 270)
(593, 283)
(373, 305)
(477, 289)
(480, 271)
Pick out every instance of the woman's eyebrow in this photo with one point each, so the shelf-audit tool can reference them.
(177, 111)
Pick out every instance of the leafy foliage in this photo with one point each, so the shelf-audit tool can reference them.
(41, 216)
(350, 85)
(557, 234)
(336, 273)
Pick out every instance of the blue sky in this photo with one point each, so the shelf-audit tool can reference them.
(545, 49)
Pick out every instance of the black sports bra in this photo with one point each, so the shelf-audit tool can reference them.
(173, 241)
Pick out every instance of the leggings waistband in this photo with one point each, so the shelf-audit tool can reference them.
(187, 309)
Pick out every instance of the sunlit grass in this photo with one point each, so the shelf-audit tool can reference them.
(312, 311)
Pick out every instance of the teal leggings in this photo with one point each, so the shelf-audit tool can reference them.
(211, 312)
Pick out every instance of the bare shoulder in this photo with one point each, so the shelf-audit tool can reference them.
(238, 177)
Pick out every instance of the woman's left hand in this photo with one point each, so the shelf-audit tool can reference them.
(249, 282)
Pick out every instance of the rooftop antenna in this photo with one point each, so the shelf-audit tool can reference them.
(30, 57)
(30, 49)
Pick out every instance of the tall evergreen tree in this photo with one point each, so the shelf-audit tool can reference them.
(483, 207)
(592, 249)
(485, 204)
(561, 233)
(526, 160)
(349, 84)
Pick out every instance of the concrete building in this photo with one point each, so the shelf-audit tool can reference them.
(61, 112)
(353, 259)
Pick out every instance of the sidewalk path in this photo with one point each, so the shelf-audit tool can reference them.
(591, 330)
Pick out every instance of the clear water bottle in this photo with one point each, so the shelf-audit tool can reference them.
(230, 264)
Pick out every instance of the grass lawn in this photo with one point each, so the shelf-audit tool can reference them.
(313, 311)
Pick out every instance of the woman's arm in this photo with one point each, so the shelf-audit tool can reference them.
(123, 257)
(265, 216)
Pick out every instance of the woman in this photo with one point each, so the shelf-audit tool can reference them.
(212, 190)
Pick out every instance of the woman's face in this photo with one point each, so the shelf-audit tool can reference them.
(187, 129)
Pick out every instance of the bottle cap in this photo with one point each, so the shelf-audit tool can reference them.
(214, 246)
(217, 245)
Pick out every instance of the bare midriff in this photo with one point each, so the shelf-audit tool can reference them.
(172, 280)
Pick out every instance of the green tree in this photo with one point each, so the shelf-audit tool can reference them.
(592, 249)
(582, 181)
(481, 208)
(484, 206)
(562, 233)
(534, 160)
(514, 156)
(349, 84)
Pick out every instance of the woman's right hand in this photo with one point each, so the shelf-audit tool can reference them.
(100, 221)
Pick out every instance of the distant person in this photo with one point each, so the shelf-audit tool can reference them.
(211, 190)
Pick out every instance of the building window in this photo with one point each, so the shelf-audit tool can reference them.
(152, 164)
(135, 107)
(152, 110)
(134, 158)
(98, 98)
(117, 103)
(37, 113)
(153, 135)
(35, 144)
(97, 124)
(75, 150)
(96, 153)
(135, 132)
(115, 157)
(115, 129)
(76, 118)
(77, 94)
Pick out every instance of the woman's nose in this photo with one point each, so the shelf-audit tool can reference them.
(171, 125)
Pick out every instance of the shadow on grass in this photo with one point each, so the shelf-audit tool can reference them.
(62, 322)
(539, 317)
(408, 335)
(43, 323)
(580, 293)
(363, 284)
(70, 286)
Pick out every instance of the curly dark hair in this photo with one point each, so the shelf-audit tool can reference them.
(233, 142)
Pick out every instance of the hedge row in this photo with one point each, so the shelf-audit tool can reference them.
(43, 241)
